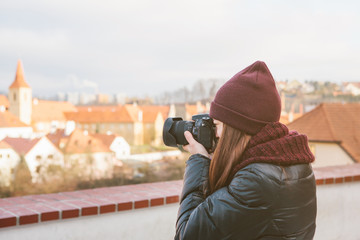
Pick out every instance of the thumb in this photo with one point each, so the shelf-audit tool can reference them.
(189, 137)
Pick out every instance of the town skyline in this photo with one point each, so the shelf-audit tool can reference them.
(77, 45)
(90, 93)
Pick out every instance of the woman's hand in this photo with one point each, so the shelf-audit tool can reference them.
(194, 147)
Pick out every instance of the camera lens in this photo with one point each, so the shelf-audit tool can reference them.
(178, 129)
(202, 129)
(173, 131)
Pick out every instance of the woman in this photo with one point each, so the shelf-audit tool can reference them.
(259, 183)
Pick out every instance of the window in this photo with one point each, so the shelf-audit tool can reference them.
(0, 155)
(38, 157)
(14, 96)
(51, 156)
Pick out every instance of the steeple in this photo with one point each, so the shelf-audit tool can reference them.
(19, 81)
(20, 96)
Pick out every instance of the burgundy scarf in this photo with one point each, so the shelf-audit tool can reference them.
(275, 144)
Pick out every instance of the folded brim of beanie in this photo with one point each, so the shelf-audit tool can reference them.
(235, 119)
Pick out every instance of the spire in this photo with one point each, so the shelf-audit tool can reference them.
(19, 81)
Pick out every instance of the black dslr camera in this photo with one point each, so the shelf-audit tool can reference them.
(202, 128)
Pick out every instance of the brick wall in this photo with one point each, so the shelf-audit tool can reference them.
(338, 195)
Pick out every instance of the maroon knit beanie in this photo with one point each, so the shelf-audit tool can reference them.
(249, 100)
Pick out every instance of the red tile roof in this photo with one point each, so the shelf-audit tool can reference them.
(45, 111)
(21, 145)
(106, 139)
(4, 145)
(164, 111)
(79, 142)
(116, 114)
(333, 122)
(19, 81)
(356, 84)
(150, 112)
(7, 119)
(97, 108)
(122, 114)
(57, 136)
(133, 111)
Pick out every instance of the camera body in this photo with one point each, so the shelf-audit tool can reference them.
(202, 128)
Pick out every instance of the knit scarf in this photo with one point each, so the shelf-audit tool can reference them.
(276, 145)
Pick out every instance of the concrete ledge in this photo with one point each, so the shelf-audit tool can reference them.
(32, 209)
(16, 211)
(337, 174)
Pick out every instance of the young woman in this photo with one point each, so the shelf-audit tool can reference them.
(259, 183)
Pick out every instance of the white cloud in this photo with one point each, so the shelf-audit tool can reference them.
(30, 42)
(83, 83)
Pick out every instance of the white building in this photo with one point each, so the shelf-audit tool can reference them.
(39, 155)
(85, 155)
(47, 116)
(353, 88)
(9, 159)
(11, 126)
(115, 143)
(333, 131)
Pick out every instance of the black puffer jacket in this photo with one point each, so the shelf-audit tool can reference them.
(263, 201)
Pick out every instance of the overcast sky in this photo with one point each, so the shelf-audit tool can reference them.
(143, 47)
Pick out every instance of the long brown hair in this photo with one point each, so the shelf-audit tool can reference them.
(227, 155)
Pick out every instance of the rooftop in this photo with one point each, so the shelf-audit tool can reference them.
(333, 122)
(21, 145)
(7, 119)
(43, 110)
(98, 115)
(150, 113)
(19, 81)
(115, 114)
(106, 139)
(4, 145)
(79, 142)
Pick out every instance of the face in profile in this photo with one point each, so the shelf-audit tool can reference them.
(219, 127)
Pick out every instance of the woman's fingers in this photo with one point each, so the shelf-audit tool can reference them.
(189, 137)
(194, 147)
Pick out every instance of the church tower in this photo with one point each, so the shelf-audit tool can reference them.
(20, 96)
